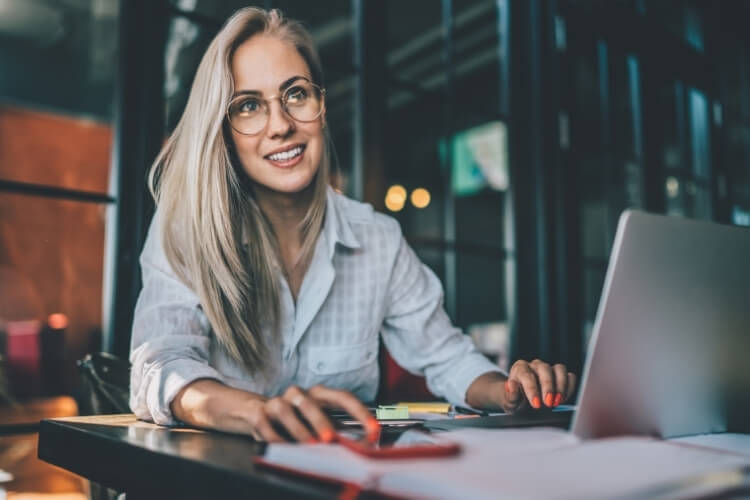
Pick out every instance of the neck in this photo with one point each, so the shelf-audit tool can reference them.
(285, 212)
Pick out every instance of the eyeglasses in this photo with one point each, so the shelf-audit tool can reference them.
(302, 101)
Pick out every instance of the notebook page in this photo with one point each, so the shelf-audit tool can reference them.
(725, 441)
(591, 469)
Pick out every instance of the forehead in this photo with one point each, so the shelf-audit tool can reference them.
(263, 62)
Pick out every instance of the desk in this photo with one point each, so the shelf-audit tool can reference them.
(147, 460)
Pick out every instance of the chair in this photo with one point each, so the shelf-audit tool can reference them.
(107, 380)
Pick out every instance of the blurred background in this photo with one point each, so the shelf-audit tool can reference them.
(506, 136)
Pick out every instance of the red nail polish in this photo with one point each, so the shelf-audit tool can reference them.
(549, 399)
(327, 435)
(558, 399)
(507, 386)
(373, 430)
(536, 402)
(312, 441)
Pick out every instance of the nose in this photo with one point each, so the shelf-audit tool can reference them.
(279, 123)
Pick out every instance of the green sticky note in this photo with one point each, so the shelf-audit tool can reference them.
(392, 412)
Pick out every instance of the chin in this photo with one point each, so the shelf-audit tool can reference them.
(290, 186)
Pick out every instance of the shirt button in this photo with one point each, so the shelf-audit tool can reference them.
(321, 365)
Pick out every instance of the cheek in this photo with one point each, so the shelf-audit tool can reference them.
(247, 154)
(316, 147)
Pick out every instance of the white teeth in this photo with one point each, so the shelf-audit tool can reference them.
(286, 155)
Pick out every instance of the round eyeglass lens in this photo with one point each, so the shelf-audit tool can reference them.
(247, 114)
(303, 101)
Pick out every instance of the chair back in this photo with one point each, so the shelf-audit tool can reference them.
(107, 380)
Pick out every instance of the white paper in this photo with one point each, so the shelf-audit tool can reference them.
(524, 464)
(725, 441)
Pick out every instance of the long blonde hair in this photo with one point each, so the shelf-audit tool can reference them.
(215, 236)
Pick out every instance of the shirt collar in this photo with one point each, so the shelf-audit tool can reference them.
(336, 227)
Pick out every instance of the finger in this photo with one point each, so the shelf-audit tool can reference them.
(530, 386)
(546, 377)
(572, 380)
(280, 411)
(311, 412)
(262, 429)
(513, 395)
(352, 405)
(561, 379)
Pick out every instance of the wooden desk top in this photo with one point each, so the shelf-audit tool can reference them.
(148, 460)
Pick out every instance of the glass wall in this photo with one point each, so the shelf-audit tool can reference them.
(648, 122)
(57, 71)
(447, 136)
(56, 94)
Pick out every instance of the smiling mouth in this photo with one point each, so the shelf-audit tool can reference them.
(287, 155)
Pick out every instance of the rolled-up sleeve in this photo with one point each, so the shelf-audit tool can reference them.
(170, 344)
(419, 335)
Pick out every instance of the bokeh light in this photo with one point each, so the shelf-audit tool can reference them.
(57, 321)
(395, 198)
(420, 197)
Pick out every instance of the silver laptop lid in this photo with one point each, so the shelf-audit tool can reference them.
(668, 355)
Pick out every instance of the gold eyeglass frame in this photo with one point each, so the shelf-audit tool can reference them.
(267, 107)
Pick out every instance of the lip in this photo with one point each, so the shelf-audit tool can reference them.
(286, 163)
(285, 148)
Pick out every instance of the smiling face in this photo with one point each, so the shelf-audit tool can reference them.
(285, 155)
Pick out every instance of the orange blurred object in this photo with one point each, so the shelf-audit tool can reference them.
(57, 321)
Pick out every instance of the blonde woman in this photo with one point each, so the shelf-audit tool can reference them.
(265, 292)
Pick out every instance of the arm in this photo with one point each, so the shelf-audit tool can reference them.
(419, 335)
(210, 404)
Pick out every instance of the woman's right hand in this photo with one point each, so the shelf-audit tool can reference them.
(299, 414)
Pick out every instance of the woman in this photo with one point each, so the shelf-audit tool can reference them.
(265, 292)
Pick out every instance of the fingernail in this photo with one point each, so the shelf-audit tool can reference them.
(549, 399)
(536, 402)
(507, 386)
(373, 430)
(558, 399)
(312, 441)
(327, 435)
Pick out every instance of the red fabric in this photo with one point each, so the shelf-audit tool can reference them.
(399, 385)
(23, 361)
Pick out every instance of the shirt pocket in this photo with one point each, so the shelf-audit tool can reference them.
(331, 360)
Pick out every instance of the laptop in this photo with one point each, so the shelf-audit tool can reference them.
(669, 353)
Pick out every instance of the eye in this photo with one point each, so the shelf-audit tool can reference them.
(247, 106)
(296, 94)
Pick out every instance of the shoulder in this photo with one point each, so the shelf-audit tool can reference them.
(363, 217)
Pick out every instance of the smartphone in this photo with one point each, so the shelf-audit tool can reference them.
(410, 444)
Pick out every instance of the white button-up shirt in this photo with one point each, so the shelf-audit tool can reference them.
(363, 282)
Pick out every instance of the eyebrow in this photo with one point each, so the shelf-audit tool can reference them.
(286, 83)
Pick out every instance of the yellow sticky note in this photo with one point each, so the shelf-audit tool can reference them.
(427, 407)
(395, 412)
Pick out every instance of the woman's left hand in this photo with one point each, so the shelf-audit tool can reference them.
(537, 384)
(534, 384)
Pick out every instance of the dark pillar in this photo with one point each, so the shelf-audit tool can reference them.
(528, 149)
(138, 135)
(370, 102)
